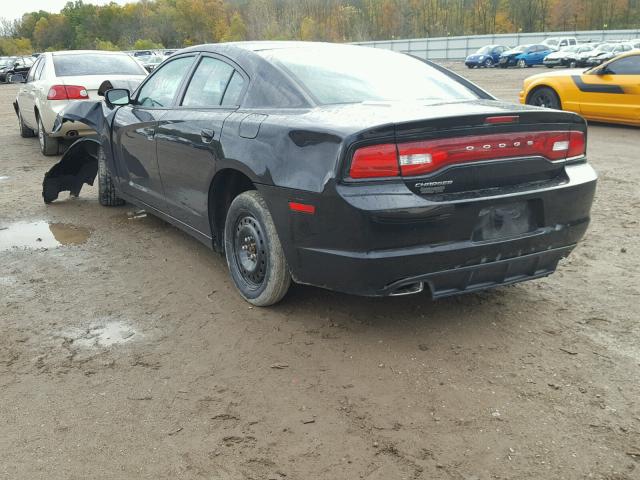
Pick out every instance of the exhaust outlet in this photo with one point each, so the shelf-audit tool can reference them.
(409, 289)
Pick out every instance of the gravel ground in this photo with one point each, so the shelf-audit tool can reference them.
(125, 352)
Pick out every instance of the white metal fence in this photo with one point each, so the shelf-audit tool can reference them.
(455, 48)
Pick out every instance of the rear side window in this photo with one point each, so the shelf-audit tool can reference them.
(32, 70)
(95, 64)
(39, 68)
(208, 83)
(625, 66)
(234, 89)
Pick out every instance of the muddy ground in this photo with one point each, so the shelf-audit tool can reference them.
(125, 352)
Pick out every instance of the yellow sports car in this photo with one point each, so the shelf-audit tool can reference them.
(607, 93)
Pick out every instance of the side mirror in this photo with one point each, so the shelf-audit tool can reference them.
(117, 97)
(18, 78)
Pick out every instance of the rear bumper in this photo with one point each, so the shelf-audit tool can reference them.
(380, 242)
(48, 113)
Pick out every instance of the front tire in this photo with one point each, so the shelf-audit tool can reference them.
(573, 64)
(106, 188)
(522, 63)
(254, 254)
(25, 132)
(48, 145)
(545, 97)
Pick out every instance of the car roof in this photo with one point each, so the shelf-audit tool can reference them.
(84, 52)
(258, 46)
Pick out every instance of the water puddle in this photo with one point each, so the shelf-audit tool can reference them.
(34, 235)
(110, 333)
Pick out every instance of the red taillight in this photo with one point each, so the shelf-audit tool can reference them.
(67, 92)
(375, 161)
(424, 157)
(577, 145)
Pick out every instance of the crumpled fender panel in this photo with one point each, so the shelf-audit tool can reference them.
(90, 112)
(79, 165)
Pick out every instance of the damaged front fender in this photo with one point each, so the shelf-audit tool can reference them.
(79, 165)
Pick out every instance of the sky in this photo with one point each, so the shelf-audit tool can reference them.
(13, 9)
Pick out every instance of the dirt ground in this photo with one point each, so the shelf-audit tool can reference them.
(125, 352)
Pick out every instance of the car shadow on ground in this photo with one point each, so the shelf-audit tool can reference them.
(406, 312)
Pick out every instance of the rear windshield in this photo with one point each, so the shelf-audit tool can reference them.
(350, 74)
(95, 64)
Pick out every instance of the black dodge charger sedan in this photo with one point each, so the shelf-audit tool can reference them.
(354, 169)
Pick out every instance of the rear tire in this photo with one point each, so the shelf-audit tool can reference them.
(106, 188)
(521, 63)
(488, 63)
(545, 97)
(254, 254)
(48, 145)
(573, 64)
(25, 132)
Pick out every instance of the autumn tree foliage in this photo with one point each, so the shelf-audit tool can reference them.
(177, 23)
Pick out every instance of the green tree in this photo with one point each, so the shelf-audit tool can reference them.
(146, 44)
(105, 45)
(237, 29)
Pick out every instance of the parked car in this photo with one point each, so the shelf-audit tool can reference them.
(582, 59)
(60, 77)
(508, 57)
(15, 66)
(602, 55)
(571, 58)
(560, 42)
(555, 59)
(299, 165)
(606, 93)
(142, 53)
(487, 56)
(151, 62)
(529, 56)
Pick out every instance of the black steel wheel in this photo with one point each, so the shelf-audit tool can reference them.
(249, 250)
(545, 97)
(254, 254)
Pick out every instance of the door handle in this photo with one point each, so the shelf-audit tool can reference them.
(207, 135)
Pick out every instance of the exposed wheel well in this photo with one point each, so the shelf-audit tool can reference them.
(226, 185)
(538, 87)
